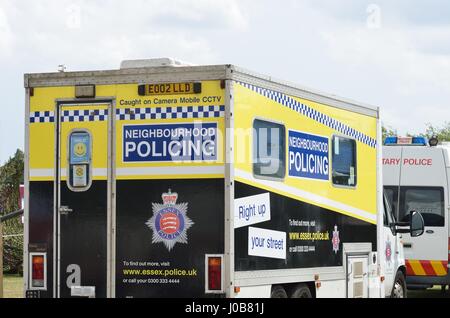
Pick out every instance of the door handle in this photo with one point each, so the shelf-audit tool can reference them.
(430, 232)
(350, 272)
(65, 210)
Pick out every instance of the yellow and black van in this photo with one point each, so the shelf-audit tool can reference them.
(168, 180)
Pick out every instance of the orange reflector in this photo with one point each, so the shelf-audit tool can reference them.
(37, 271)
(38, 259)
(214, 261)
(214, 273)
(237, 290)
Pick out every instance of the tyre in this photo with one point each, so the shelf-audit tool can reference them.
(278, 292)
(301, 291)
(399, 288)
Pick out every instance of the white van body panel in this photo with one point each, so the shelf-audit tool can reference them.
(418, 177)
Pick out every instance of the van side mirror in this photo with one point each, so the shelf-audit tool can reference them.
(415, 227)
(417, 224)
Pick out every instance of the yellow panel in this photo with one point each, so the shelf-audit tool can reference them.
(127, 98)
(42, 146)
(250, 105)
(42, 135)
(44, 98)
(178, 177)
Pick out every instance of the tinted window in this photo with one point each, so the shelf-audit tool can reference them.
(392, 197)
(388, 217)
(344, 161)
(385, 219)
(428, 201)
(269, 154)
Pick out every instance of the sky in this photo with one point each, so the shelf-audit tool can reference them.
(392, 54)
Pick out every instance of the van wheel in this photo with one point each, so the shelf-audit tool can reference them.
(399, 289)
(278, 292)
(301, 291)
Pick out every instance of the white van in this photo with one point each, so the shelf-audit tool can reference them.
(416, 177)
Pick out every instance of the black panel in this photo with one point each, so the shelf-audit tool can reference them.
(141, 90)
(41, 225)
(205, 199)
(83, 236)
(197, 88)
(284, 209)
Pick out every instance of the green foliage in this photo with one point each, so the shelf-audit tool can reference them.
(443, 133)
(11, 176)
(387, 132)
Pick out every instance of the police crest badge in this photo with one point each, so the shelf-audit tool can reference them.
(388, 251)
(169, 222)
(335, 240)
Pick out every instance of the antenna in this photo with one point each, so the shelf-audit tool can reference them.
(61, 68)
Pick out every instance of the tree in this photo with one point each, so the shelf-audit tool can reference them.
(442, 133)
(387, 132)
(11, 176)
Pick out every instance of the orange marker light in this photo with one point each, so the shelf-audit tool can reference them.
(37, 271)
(214, 273)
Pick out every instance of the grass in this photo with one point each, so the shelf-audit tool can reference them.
(434, 292)
(12, 286)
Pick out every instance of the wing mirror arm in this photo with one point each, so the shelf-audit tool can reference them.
(415, 227)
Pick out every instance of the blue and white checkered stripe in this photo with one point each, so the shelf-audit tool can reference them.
(84, 115)
(176, 112)
(42, 117)
(70, 116)
(313, 114)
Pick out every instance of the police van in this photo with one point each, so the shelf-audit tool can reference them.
(416, 177)
(162, 179)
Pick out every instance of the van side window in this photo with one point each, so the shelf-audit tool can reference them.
(388, 217)
(385, 219)
(269, 150)
(344, 161)
(429, 201)
(392, 198)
